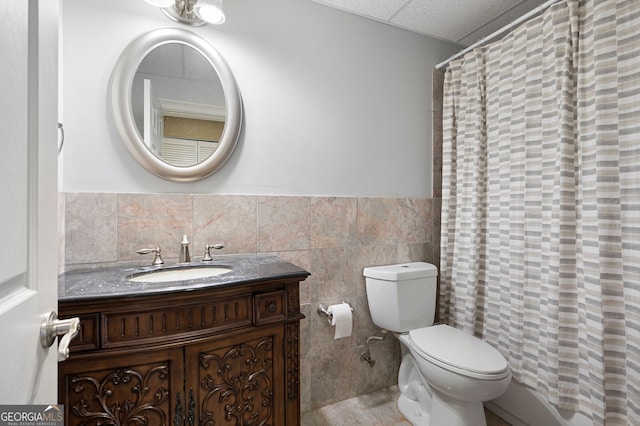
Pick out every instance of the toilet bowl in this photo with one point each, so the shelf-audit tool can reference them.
(445, 374)
(456, 389)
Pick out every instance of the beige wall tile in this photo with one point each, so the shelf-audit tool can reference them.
(335, 273)
(301, 258)
(330, 373)
(437, 135)
(377, 220)
(437, 83)
(227, 219)
(415, 220)
(419, 252)
(90, 228)
(284, 223)
(147, 220)
(333, 221)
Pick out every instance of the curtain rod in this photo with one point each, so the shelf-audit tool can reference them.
(500, 31)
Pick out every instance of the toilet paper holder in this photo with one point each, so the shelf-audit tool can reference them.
(323, 309)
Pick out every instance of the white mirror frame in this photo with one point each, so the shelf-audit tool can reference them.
(122, 110)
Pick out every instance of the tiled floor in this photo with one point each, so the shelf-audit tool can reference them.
(375, 409)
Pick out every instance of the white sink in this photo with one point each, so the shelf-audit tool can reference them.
(179, 274)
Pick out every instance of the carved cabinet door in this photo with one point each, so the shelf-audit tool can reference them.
(144, 388)
(238, 379)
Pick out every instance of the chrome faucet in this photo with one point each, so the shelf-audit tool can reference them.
(184, 250)
(157, 260)
(207, 251)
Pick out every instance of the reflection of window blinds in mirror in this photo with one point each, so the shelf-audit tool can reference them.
(186, 152)
(190, 128)
(205, 149)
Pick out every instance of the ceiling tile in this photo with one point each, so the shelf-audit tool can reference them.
(495, 24)
(453, 19)
(377, 9)
(459, 21)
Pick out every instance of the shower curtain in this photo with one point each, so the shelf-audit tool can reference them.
(540, 247)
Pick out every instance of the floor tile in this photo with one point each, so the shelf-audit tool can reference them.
(374, 409)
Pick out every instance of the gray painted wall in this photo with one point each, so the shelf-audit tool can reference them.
(334, 104)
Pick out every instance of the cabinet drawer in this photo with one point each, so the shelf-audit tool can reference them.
(270, 307)
(87, 338)
(182, 321)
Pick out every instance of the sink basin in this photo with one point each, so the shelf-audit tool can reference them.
(179, 274)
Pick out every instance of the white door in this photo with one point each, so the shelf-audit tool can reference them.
(28, 198)
(153, 129)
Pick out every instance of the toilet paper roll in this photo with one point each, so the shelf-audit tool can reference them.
(342, 319)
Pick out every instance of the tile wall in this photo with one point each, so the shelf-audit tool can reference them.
(437, 91)
(334, 238)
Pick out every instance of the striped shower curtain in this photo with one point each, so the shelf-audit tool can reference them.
(540, 252)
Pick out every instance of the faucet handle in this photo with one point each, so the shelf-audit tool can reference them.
(157, 259)
(207, 251)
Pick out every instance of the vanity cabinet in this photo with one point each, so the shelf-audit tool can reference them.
(217, 356)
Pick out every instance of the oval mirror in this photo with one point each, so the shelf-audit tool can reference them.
(176, 104)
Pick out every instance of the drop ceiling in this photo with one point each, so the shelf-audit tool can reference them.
(458, 21)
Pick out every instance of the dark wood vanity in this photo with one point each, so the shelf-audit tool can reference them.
(221, 355)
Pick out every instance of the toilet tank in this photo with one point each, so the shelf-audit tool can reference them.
(402, 297)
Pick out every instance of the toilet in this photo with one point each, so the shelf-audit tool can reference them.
(445, 374)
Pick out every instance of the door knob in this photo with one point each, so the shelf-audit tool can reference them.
(52, 327)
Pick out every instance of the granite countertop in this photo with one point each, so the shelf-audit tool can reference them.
(103, 283)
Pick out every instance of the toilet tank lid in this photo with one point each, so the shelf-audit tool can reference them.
(402, 271)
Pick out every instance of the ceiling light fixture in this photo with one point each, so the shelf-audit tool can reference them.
(192, 12)
(210, 11)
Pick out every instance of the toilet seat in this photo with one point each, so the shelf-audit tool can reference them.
(459, 352)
